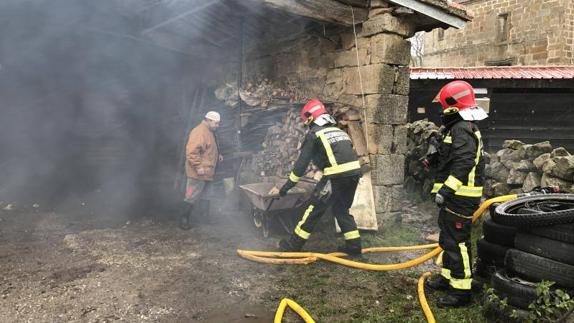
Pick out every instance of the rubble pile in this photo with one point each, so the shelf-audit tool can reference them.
(516, 168)
(519, 167)
(418, 181)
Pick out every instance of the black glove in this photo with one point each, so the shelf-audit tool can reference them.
(285, 188)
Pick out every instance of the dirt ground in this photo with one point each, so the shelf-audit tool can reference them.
(72, 266)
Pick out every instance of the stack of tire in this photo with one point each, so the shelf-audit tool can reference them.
(527, 240)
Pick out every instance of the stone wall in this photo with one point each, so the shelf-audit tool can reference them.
(540, 33)
(322, 63)
(519, 168)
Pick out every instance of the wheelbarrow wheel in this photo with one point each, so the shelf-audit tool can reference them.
(257, 218)
(265, 227)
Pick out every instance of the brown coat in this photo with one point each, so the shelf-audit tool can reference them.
(201, 152)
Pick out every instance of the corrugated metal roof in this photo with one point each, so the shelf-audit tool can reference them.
(494, 73)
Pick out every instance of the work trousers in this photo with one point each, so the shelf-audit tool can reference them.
(341, 197)
(454, 239)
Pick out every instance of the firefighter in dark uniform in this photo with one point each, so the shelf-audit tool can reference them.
(458, 189)
(331, 150)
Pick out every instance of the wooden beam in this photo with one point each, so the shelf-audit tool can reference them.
(322, 10)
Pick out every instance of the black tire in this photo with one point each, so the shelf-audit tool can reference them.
(564, 232)
(537, 210)
(518, 292)
(491, 210)
(547, 248)
(538, 268)
(498, 233)
(491, 254)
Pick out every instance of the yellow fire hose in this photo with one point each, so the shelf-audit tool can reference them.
(295, 307)
(303, 258)
(423, 299)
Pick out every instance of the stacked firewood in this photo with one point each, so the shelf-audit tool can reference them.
(281, 148)
(261, 94)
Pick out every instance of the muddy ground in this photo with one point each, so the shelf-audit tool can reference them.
(77, 266)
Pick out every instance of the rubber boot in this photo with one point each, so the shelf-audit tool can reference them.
(352, 247)
(455, 299)
(437, 283)
(293, 244)
(185, 219)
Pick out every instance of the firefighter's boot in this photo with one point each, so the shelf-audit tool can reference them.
(352, 247)
(293, 244)
(454, 299)
(437, 283)
(185, 219)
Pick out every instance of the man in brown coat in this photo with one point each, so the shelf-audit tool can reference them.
(201, 157)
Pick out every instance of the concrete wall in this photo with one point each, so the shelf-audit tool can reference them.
(540, 33)
(323, 64)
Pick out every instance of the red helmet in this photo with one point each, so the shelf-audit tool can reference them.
(312, 110)
(457, 94)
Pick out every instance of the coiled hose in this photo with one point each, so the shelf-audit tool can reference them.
(303, 258)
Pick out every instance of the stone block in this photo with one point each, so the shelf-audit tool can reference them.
(533, 151)
(387, 23)
(349, 58)
(512, 144)
(500, 189)
(532, 180)
(560, 151)
(376, 79)
(390, 49)
(561, 167)
(351, 100)
(388, 198)
(524, 166)
(347, 40)
(387, 109)
(541, 160)
(400, 140)
(387, 169)
(516, 177)
(402, 80)
(380, 139)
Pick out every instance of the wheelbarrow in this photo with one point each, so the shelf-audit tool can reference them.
(265, 206)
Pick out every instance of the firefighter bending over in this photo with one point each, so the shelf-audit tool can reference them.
(331, 150)
(458, 189)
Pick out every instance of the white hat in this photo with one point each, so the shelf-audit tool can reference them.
(212, 115)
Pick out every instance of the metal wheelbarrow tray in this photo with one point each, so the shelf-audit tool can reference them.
(264, 204)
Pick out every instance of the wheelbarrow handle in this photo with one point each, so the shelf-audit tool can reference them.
(271, 203)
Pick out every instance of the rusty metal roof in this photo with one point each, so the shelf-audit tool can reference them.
(494, 73)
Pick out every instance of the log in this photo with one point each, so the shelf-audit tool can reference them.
(322, 10)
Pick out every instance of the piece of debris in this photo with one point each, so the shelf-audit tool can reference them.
(9, 207)
(432, 237)
(250, 316)
(35, 205)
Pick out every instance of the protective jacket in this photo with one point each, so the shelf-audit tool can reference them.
(460, 172)
(331, 150)
(201, 151)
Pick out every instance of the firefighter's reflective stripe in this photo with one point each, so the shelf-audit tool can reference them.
(472, 173)
(453, 183)
(447, 140)
(335, 168)
(436, 187)
(464, 284)
(294, 178)
(326, 145)
(342, 168)
(469, 191)
(445, 273)
(352, 235)
(465, 259)
(300, 232)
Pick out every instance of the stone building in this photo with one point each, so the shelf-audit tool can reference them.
(506, 32)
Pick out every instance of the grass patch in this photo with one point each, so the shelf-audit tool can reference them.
(393, 235)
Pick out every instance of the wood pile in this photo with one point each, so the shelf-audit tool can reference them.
(259, 94)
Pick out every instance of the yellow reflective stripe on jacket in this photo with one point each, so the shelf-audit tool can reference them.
(352, 235)
(465, 260)
(328, 149)
(447, 140)
(294, 178)
(338, 169)
(436, 187)
(469, 191)
(453, 183)
(464, 284)
(471, 175)
(300, 232)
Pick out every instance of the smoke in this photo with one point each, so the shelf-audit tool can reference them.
(90, 109)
